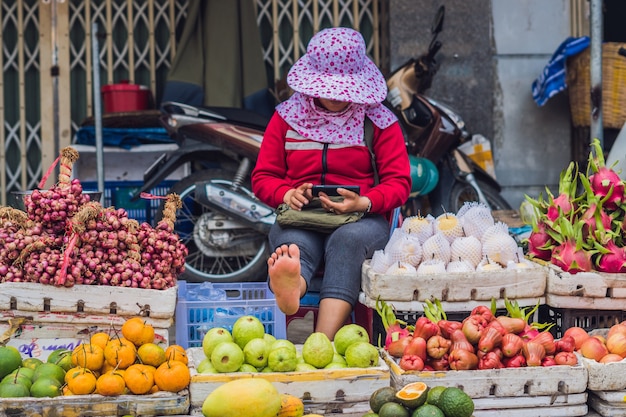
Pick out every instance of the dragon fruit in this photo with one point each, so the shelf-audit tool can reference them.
(612, 258)
(605, 182)
(540, 244)
(572, 254)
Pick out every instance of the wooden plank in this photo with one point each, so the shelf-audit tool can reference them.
(88, 299)
(343, 388)
(506, 382)
(455, 287)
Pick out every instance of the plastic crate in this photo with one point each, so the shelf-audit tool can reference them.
(194, 318)
(119, 194)
(564, 318)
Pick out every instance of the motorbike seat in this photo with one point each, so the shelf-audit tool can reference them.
(239, 116)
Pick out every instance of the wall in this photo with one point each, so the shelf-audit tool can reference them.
(492, 52)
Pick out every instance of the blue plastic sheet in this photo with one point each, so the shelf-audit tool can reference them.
(126, 138)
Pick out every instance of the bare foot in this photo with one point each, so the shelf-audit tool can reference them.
(284, 272)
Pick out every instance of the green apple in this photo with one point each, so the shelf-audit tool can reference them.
(282, 359)
(227, 357)
(349, 334)
(247, 328)
(255, 352)
(361, 355)
(213, 337)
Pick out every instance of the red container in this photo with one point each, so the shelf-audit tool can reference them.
(125, 97)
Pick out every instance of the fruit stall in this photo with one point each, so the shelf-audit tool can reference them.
(468, 320)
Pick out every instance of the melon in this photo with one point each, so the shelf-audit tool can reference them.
(243, 397)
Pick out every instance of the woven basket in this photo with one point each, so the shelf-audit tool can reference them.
(613, 87)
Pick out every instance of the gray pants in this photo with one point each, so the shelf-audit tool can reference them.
(340, 253)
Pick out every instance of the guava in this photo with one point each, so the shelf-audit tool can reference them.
(336, 365)
(349, 334)
(317, 350)
(213, 337)
(283, 343)
(247, 328)
(206, 367)
(246, 367)
(255, 352)
(282, 359)
(227, 357)
(337, 358)
(361, 355)
(305, 367)
(269, 338)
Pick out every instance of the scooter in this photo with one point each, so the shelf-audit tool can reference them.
(225, 227)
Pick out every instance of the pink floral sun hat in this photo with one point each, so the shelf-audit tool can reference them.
(336, 67)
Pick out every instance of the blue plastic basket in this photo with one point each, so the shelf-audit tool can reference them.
(195, 317)
(119, 194)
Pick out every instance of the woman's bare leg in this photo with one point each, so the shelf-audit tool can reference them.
(285, 279)
(332, 315)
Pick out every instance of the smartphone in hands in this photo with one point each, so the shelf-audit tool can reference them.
(331, 190)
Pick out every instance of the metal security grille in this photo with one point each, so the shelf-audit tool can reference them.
(46, 84)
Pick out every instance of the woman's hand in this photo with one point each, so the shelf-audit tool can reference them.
(298, 197)
(352, 202)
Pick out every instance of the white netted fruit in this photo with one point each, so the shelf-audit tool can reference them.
(498, 245)
(520, 262)
(431, 266)
(400, 268)
(380, 262)
(477, 218)
(436, 247)
(488, 265)
(466, 248)
(419, 226)
(405, 248)
(460, 266)
(449, 225)
(395, 235)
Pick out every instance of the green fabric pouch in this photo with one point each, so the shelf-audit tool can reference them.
(314, 217)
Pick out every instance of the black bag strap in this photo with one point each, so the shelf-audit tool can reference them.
(368, 137)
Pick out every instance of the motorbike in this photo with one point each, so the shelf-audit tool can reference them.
(225, 227)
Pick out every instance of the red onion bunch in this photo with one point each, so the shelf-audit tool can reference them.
(162, 253)
(52, 208)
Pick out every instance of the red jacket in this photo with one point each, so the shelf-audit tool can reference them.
(285, 163)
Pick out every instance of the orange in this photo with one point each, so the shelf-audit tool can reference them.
(138, 331)
(120, 353)
(100, 339)
(88, 356)
(176, 353)
(172, 376)
(111, 384)
(151, 354)
(82, 384)
(74, 372)
(139, 378)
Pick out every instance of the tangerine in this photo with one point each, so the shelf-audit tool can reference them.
(73, 372)
(82, 384)
(176, 353)
(172, 376)
(88, 356)
(100, 339)
(111, 384)
(120, 353)
(138, 331)
(139, 378)
(151, 354)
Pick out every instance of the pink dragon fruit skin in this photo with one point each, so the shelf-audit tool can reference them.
(588, 217)
(614, 261)
(601, 183)
(562, 202)
(540, 243)
(570, 259)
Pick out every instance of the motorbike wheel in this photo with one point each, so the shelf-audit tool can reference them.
(229, 253)
(463, 192)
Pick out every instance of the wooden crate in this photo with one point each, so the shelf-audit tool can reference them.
(325, 391)
(456, 287)
(37, 334)
(556, 390)
(88, 299)
(157, 404)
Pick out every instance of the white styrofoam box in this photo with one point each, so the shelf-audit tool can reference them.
(561, 380)
(541, 405)
(324, 391)
(608, 403)
(122, 164)
(606, 376)
(585, 290)
(456, 287)
(88, 299)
